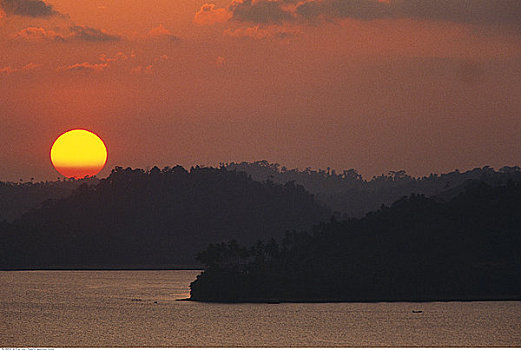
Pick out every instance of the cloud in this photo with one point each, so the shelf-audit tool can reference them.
(357, 9)
(260, 11)
(142, 69)
(161, 32)
(119, 59)
(475, 12)
(7, 70)
(38, 34)
(152, 67)
(31, 66)
(161, 58)
(249, 32)
(120, 56)
(252, 11)
(86, 33)
(208, 14)
(479, 12)
(258, 32)
(221, 61)
(82, 33)
(464, 11)
(84, 67)
(28, 8)
(28, 67)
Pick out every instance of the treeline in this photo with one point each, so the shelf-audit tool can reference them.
(347, 192)
(154, 218)
(419, 248)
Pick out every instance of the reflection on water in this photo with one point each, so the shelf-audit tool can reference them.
(140, 308)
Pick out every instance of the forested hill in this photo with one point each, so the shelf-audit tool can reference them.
(150, 218)
(467, 248)
(348, 192)
(18, 198)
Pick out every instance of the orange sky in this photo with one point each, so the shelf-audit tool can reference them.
(375, 86)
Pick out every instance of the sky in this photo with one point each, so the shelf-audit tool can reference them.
(374, 85)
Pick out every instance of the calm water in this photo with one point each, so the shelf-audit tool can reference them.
(139, 308)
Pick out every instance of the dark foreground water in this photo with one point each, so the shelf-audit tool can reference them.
(139, 308)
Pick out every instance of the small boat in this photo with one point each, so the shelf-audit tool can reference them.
(273, 301)
(417, 311)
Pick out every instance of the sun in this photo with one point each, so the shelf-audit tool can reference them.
(78, 153)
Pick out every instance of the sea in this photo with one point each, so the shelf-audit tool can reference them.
(144, 309)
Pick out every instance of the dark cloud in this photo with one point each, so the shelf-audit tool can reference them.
(28, 8)
(358, 9)
(479, 12)
(69, 34)
(475, 11)
(86, 33)
(259, 32)
(260, 11)
(484, 12)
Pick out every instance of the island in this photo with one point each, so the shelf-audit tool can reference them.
(420, 248)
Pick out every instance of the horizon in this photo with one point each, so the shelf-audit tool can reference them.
(105, 173)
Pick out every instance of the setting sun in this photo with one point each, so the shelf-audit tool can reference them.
(78, 153)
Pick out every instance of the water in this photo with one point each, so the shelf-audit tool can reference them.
(139, 308)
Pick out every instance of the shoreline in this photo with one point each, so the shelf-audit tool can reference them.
(430, 299)
(365, 301)
(105, 268)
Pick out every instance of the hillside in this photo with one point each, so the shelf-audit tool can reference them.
(18, 198)
(154, 218)
(347, 192)
(419, 248)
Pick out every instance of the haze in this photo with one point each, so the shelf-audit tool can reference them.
(371, 85)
